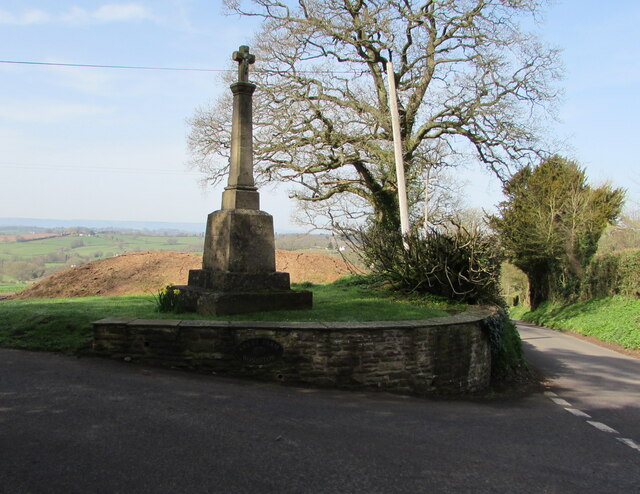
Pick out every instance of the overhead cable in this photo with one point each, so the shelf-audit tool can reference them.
(141, 67)
(97, 66)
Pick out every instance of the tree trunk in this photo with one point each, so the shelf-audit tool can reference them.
(538, 287)
(386, 210)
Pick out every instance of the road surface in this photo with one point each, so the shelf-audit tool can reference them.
(90, 425)
(595, 383)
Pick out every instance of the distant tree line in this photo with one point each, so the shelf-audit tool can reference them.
(35, 267)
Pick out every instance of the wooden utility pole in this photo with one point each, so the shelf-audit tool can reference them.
(426, 198)
(397, 147)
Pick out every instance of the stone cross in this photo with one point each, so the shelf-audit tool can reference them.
(241, 192)
(244, 59)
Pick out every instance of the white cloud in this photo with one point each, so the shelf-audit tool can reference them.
(112, 12)
(28, 17)
(75, 15)
(121, 12)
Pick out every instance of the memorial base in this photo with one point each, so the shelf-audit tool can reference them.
(221, 303)
(226, 281)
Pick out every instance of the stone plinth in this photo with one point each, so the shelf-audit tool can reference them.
(226, 281)
(221, 303)
(240, 241)
(238, 272)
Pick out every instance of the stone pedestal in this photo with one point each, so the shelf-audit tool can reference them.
(221, 303)
(240, 241)
(238, 272)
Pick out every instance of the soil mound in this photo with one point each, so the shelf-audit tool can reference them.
(148, 272)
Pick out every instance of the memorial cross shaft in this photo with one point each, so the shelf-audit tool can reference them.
(241, 192)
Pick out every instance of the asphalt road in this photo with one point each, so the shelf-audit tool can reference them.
(90, 425)
(588, 379)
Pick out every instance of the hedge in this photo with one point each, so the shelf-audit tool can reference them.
(613, 274)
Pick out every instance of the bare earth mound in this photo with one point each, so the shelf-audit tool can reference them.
(147, 272)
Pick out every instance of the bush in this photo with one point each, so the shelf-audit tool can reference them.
(613, 274)
(23, 270)
(457, 264)
(506, 346)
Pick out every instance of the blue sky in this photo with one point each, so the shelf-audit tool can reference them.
(80, 143)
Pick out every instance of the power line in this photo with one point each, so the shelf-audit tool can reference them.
(97, 66)
(174, 69)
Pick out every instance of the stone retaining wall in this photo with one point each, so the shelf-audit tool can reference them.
(446, 355)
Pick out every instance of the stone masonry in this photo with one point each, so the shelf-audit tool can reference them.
(447, 355)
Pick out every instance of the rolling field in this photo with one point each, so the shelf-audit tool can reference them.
(116, 243)
(29, 260)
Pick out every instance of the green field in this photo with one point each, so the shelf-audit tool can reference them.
(64, 325)
(30, 260)
(114, 243)
(11, 287)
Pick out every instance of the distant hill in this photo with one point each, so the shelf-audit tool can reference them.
(40, 223)
(30, 225)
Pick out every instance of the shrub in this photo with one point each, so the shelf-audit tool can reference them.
(613, 274)
(23, 270)
(458, 264)
(506, 346)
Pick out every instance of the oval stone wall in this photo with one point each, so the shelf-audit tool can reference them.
(446, 355)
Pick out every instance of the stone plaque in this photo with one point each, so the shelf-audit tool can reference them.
(259, 351)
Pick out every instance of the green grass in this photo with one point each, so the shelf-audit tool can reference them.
(612, 319)
(64, 325)
(337, 302)
(11, 287)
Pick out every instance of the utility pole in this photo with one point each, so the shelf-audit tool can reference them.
(397, 148)
(426, 198)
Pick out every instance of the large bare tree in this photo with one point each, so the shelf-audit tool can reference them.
(471, 83)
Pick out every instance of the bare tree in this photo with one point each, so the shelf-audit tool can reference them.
(469, 80)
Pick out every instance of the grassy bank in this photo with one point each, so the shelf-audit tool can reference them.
(65, 324)
(612, 319)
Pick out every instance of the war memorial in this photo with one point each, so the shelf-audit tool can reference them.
(445, 355)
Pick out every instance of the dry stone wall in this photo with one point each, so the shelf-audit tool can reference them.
(447, 355)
